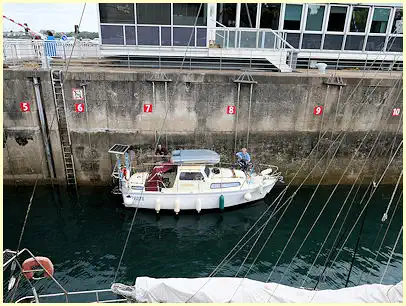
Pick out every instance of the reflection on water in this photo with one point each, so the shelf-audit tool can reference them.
(84, 238)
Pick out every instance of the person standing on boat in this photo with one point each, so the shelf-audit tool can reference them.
(243, 160)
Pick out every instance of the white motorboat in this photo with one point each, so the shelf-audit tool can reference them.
(191, 180)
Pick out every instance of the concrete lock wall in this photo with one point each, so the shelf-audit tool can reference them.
(281, 124)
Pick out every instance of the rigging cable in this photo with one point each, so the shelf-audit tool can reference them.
(383, 239)
(342, 207)
(363, 209)
(156, 145)
(391, 254)
(316, 145)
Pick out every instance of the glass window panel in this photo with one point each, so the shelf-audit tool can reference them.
(293, 14)
(359, 19)
(270, 13)
(315, 16)
(165, 36)
(186, 13)
(154, 13)
(354, 42)
(248, 39)
(311, 41)
(293, 39)
(248, 15)
(117, 13)
(375, 43)
(380, 20)
(395, 45)
(148, 35)
(269, 40)
(333, 42)
(181, 36)
(226, 13)
(112, 34)
(201, 37)
(336, 21)
(397, 26)
(130, 35)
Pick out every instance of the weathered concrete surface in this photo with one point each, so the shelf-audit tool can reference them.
(281, 124)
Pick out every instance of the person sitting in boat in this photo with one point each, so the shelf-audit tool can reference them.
(243, 161)
(162, 152)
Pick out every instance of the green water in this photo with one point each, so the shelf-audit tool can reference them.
(84, 239)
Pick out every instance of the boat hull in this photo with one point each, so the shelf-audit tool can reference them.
(197, 200)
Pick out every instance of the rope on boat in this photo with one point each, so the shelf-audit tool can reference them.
(383, 239)
(391, 254)
(385, 215)
(365, 206)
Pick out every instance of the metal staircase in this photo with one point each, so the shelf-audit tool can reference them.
(59, 97)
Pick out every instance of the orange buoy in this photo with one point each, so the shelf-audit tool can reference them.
(36, 262)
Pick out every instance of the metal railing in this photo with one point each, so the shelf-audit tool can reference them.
(11, 258)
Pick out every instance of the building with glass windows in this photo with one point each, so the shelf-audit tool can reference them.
(280, 33)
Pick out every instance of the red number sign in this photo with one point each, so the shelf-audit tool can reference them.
(147, 108)
(396, 112)
(25, 106)
(79, 107)
(318, 110)
(231, 109)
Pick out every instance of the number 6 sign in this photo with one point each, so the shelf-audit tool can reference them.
(231, 109)
(318, 110)
(79, 107)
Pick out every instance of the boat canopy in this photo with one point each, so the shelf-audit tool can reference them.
(180, 157)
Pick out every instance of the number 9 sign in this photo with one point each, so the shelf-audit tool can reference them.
(79, 107)
(318, 110)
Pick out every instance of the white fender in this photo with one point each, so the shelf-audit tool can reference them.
(198, 205)
(248, 196)
(157, 205)
(177, 206)
(128, 200)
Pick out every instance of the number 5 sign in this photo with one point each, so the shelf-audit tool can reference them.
(231, 110)
(79, 107)
(25, 107)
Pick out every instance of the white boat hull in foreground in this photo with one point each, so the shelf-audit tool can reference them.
(244, 290)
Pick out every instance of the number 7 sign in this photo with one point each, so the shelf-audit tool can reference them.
(147, 108)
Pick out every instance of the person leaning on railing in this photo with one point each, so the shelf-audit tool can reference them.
(161, 153)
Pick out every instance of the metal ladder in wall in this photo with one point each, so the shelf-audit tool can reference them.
(59, 98)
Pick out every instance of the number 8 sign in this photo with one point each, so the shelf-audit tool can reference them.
(318, 110)
(79, 107)
(231, 110)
